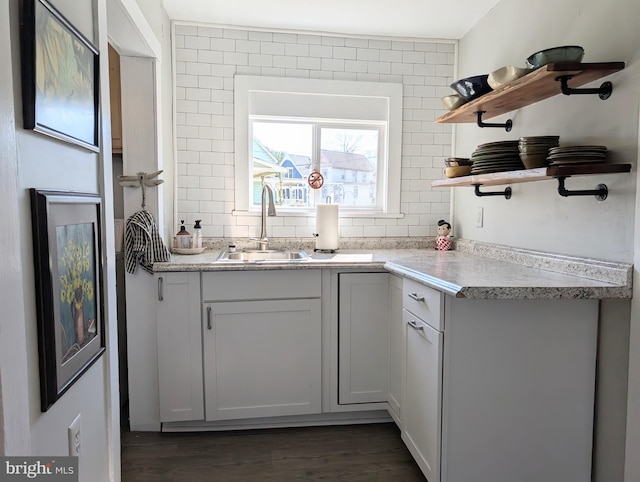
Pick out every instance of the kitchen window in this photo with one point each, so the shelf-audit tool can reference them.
(348, 131)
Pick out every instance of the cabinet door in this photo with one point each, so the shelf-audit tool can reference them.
(395, 379)
(363, 321)
(422, 409)
(179, 347)
(262, 358)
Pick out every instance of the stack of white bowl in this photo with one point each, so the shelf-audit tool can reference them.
(534, 150)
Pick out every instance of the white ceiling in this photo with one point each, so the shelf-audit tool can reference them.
(433, 19)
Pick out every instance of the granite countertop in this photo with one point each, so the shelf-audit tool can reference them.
(458, 273)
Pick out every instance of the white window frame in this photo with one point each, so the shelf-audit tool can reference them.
(366, 101)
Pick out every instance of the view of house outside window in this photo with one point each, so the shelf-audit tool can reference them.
(286, 152)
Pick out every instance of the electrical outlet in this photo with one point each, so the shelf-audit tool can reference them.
(479, 217)
(74, 435)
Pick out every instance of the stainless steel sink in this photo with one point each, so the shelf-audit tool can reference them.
(262, 255)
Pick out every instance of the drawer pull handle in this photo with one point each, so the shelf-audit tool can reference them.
(416, 296)
(160, 295)
(208, 317)
(414, 324)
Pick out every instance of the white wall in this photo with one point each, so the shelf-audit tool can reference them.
(537, 217)
(41, 162)
(208, 57)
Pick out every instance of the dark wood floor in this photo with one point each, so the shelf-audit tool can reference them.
(354, 453)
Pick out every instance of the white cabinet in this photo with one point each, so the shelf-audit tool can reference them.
(179, 340)
(422, 414)
(518, 389)
(262, 357)
(396, 366)
(499, 389)
(363, 320)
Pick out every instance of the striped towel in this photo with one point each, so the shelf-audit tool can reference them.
(143, 243)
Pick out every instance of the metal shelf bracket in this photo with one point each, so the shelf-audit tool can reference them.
(507, 125)
(506, 193)
(604, 91)
(600, 192)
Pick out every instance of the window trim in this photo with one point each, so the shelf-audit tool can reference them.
(390, 92)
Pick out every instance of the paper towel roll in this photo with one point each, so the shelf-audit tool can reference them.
(327, 226)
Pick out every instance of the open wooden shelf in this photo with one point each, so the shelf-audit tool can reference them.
(530, 175)
(537, 85)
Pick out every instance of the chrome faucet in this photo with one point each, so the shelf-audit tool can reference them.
(263, 241)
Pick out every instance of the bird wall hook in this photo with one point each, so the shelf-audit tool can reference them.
(142, 180)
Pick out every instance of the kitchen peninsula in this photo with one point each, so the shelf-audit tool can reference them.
(484, 356)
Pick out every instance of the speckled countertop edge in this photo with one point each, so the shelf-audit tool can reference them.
(497, 273)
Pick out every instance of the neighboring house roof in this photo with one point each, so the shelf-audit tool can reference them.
(264, 163)
(345, 160)
(297, 174)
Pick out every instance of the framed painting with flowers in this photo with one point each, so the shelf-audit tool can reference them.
(66, 255)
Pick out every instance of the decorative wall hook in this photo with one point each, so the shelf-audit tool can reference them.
(143, 180)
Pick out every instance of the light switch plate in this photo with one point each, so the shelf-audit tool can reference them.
(479, 217)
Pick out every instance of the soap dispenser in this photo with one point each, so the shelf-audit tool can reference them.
(197, 234)
(182, 240)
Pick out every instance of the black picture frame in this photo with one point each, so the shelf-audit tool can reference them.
(59, 102)
(68, 285)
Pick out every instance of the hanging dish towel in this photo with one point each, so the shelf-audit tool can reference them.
(143, 243)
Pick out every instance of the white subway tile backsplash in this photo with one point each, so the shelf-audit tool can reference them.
(247, 46)
(261, 36)
(297, 50)
(194, 42)
(309, 39)
(379, 44)
(308, 63)
(223, 44)
(209, 32)
(272, 48)
(235, 34)
(323, 51)
(347, 53)
(379, 67)
(261, 60)
(207, 59)
(186, 29)
(333, 64)
(285, 37)
(273, 72)
(402, 45)
(368, 54)
(336, 41)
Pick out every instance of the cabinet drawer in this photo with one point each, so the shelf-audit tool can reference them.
(261, 285)
(424, 302)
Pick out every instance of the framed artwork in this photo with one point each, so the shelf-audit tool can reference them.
(59, 77)
(68, 282)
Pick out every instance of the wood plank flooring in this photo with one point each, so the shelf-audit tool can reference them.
(353, 453)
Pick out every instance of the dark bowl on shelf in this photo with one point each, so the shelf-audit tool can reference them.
(568, 53)
(471, 88)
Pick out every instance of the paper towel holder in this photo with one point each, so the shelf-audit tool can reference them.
(317, 250)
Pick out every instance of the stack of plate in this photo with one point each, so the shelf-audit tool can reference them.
(535, 149)
(577, 155)
(496, 157)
